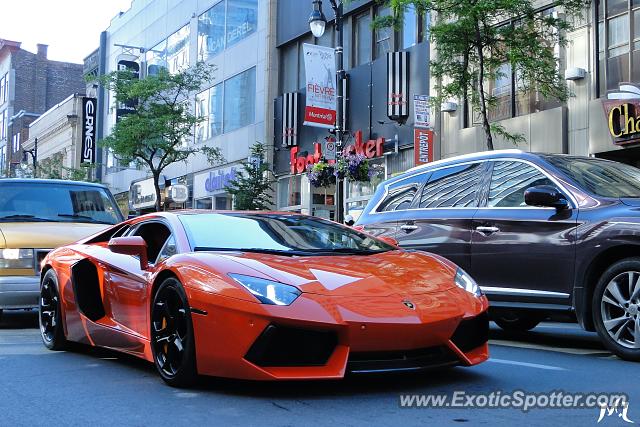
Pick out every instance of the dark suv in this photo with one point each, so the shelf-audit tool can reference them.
(541, 234)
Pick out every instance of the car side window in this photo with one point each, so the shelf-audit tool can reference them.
(452, 187)
(155, 234)
(168, 250)
(509, 180)
(401, 194)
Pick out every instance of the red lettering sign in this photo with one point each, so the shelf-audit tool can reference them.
(370, 149)
(299, 163)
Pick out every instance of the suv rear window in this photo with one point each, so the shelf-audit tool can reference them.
(56, 202)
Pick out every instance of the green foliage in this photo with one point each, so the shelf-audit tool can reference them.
(53, 168)
(474, 38)
(252, 186)
(159, 131)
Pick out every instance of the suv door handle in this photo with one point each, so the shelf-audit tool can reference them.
(408, 227)
(487, 230)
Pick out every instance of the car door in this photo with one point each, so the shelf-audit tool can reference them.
(126, 290)
(439, 220)
(399, 197)
(520, 251)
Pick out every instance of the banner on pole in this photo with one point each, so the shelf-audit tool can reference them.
(320, 71)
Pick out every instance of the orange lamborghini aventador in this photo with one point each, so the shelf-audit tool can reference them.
(262, 296)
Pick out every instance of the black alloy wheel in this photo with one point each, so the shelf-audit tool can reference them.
(616, 308)
(50, 316)
(172, 340)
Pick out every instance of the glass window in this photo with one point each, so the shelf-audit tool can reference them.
(601, 177)
(57, 202)
(239, 100)
(409, 27)
(215, 110)
(452, 187)
(289, 191)
(178, 50)
(204, 203)
(211, 32)
(3, 155)
(302, 235)
(384, 36)
(618, 33)
(509, 180)
(289, 70)
(156, 58)
(616, 6)
(242, 19)
(362, 39)
(168, 250)
(400, 195)
(202, 112)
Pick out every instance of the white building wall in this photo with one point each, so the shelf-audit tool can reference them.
(147, 23)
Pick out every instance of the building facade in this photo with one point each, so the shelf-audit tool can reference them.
(232, 35)
(30, 84)
(369, 100)
(601, 64)
(64, 138)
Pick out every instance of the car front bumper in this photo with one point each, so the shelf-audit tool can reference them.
(19, 292)
(320, 337)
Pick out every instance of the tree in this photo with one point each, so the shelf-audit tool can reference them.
(53, 168)
(157, 132)
(252, 186)
(475, 39)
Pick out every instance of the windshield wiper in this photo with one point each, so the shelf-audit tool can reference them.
(354, 251)
(256, 250)
(84, 217)
(27, 217)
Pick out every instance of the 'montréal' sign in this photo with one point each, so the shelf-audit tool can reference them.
(320, 71)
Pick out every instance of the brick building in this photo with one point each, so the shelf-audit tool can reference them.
(30, 84)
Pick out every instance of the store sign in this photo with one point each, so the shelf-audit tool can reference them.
(623, 121)
(421, 112)
(320, 71)
(299, 163)
(213, 181)
(127, 107)
(142, 194)
(89, 108)
(398, 85)
(422, 146)
(177, 193)
(370, 149)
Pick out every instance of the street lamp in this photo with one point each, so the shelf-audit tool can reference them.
(317, 20)
(34, 155)
(317, 24)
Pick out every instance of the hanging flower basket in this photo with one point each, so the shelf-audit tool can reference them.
(356, 167)
(321, 174)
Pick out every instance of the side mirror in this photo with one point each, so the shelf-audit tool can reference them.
(389, 240)
(131, 245)
(546, 196)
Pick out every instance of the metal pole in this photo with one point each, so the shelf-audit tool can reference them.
(35, 157)
(338, 9)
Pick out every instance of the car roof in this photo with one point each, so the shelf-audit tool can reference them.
(51, 181)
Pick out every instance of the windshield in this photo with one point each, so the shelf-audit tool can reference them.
(40, 201)
(601, 177)
(276, 233)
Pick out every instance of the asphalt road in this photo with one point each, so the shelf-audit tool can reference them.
(97, 387)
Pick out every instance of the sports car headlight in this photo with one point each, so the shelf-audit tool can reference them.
(267, 291)
(465, 281)
(16, 258)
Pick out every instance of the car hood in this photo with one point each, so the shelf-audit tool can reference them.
(383, 274)
(45, 235)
